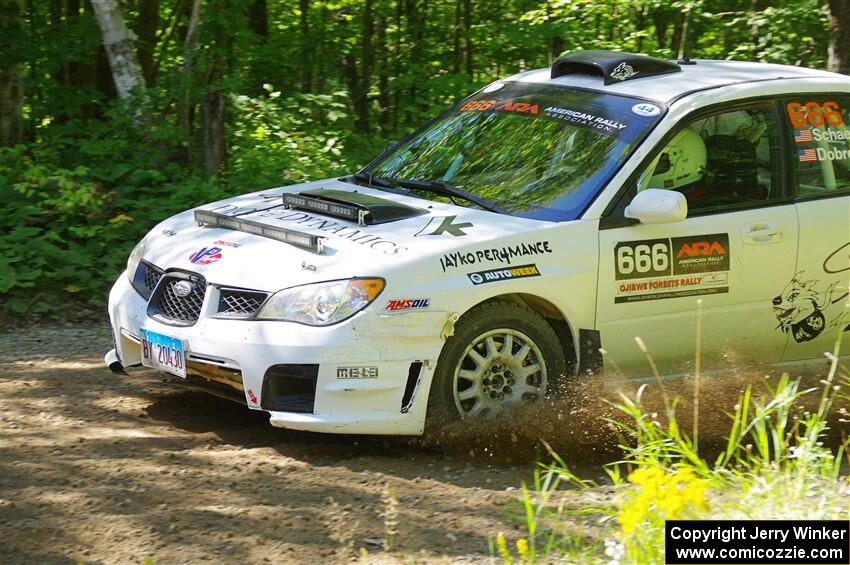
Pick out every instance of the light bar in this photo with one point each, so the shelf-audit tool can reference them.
(334, 209)
(306, 241)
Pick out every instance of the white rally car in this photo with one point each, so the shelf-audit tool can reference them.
(494, 254)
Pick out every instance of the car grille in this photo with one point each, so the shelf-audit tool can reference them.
(169, 308)
(146, 278)
(150, 277)
(236, 303)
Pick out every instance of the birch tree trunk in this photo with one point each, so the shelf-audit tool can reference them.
(118, 42)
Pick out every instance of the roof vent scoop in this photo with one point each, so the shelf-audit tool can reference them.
(612, 66)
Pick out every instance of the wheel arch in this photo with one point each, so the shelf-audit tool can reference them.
(567, 334)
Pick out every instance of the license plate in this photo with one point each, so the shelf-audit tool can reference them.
(164, 353)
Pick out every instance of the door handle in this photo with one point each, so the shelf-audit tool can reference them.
(761, 232)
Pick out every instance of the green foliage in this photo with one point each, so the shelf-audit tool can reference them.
(279, 141)
(69, 227)
(93, 174)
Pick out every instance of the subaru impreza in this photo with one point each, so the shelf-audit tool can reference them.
(524, 236)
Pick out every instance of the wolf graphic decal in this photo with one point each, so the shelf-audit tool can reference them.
(800, 307)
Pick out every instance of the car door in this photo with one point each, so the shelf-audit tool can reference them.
(813, 307)
(740, 235)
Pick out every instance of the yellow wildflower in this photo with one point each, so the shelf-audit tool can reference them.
(502, 548)
(522, 549)
(661, 495)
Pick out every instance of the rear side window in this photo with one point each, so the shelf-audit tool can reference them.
(821, 143)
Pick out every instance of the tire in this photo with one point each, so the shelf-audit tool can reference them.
(474, 377)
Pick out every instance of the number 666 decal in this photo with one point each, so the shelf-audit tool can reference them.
(676, 256)
(814, 114)
(641, 259)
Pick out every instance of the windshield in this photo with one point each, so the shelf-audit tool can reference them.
(534, 151)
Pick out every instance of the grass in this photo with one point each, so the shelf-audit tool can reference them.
(773, 464)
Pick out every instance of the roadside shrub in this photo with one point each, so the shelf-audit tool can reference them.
(73, 205)
(73, 208)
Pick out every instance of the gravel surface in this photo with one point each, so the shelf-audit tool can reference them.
(102, 469)
(96, 468)
(40, 343)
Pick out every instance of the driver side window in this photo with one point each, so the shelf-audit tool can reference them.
(729, 159)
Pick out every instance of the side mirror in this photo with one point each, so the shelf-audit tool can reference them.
(657, 206)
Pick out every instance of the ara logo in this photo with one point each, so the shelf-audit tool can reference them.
(205, 255)
(623, 71)
(439, 225)
(522, 107)
(701, 249)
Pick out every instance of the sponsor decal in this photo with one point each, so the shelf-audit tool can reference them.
(521, 107)
(671, 287)
(408, 304)
(343, 230)
(701, 253)
(499, 254)
(357, 372)
(808, 306)
(484, 105)
(496, 275)
(233, 210)
(252, 397)
(438, 225)
(205, 256)
(807, 155)
(226, 243)
(579, 118)
(656, 269)
(646, 109)
(623, 71)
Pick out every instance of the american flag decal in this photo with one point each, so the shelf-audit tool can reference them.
(807, 155)
(803, 135)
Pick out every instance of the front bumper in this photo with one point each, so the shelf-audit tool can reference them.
(387, 392)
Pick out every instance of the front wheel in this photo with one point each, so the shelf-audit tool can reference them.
(501, 354)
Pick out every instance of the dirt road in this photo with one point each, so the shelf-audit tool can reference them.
(101, 469)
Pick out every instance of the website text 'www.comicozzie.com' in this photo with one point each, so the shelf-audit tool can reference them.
(762, 542)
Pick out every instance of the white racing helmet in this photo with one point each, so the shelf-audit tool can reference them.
(681, 163)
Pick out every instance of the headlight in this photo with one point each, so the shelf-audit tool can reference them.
(134, 259)
(322, 304)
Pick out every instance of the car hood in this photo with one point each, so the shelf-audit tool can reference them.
(409, 230)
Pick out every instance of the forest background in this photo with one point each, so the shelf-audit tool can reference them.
(115, 114)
